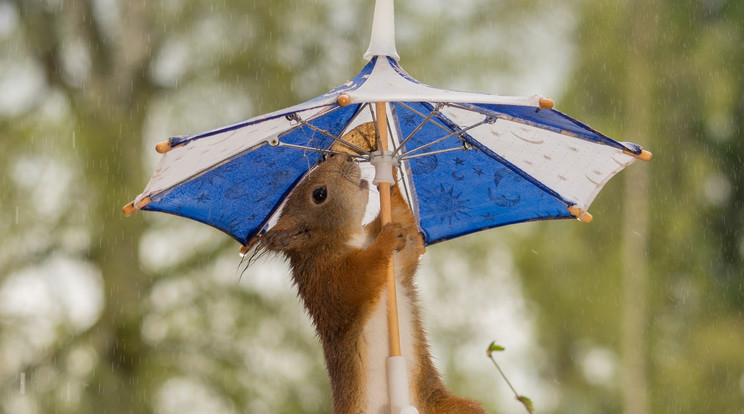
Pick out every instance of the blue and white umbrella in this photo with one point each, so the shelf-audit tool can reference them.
(468, 161)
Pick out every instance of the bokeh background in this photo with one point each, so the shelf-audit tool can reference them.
(638, 312)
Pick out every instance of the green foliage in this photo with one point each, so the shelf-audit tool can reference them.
(690, 91)
(494, 348)
(527, 403)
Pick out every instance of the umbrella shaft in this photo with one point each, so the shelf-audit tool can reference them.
(386, 217)
(392, 300)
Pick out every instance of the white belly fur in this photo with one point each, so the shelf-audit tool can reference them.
(375, 338)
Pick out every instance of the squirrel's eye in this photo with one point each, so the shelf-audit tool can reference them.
(320, 194)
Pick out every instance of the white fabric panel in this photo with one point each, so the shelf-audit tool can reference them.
(183, 162)
(385, 83)
(574, 168)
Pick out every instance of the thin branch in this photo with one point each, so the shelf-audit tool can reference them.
(521, 398)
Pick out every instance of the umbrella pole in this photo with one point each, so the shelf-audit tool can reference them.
(398, 387)
(386, 217)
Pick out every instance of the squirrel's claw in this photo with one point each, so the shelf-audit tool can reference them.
(394, 235)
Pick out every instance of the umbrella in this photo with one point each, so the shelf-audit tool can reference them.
(468, 161)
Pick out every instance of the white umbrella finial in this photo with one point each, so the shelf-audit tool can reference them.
(382, 42)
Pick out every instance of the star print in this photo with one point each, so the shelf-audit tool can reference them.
(203, 198)
(207, 180)
(458, 161)
(444, 204)
(230, 220)
(478, 171)
(408, 120)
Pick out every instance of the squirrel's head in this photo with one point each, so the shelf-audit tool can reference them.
(327, 206)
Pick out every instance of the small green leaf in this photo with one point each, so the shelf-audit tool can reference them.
(527, 402)
(494, 348)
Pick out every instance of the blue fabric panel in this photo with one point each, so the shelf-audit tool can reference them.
(239, 196)
(462, 192)
(395, 65)
(230, 199)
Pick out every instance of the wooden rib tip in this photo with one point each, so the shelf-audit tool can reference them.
(643, 156)
(545, 103)
(145, 201)
(129, 209)
(244, 249)
(163, 147)
(580, 214)
(344, 99)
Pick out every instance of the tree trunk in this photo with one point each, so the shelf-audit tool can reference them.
(636, 217)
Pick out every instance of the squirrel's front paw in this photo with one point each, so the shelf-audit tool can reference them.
(394, 235)
(416, 241)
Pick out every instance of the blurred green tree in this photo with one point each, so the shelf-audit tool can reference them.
(665, 251)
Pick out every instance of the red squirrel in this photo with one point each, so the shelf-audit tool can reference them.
(339, 268)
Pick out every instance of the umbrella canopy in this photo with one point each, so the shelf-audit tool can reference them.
(469, 161)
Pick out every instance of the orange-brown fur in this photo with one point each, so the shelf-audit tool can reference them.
(340, 283)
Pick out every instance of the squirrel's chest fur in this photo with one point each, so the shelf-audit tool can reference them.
(355, 338)
(375, 341)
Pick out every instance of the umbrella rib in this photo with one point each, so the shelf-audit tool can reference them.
(421, 125)
(417, 112)
(303, 147)
(448, 136)
(410, 157)
(349, 144)
(319, 150)
(335, 138)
